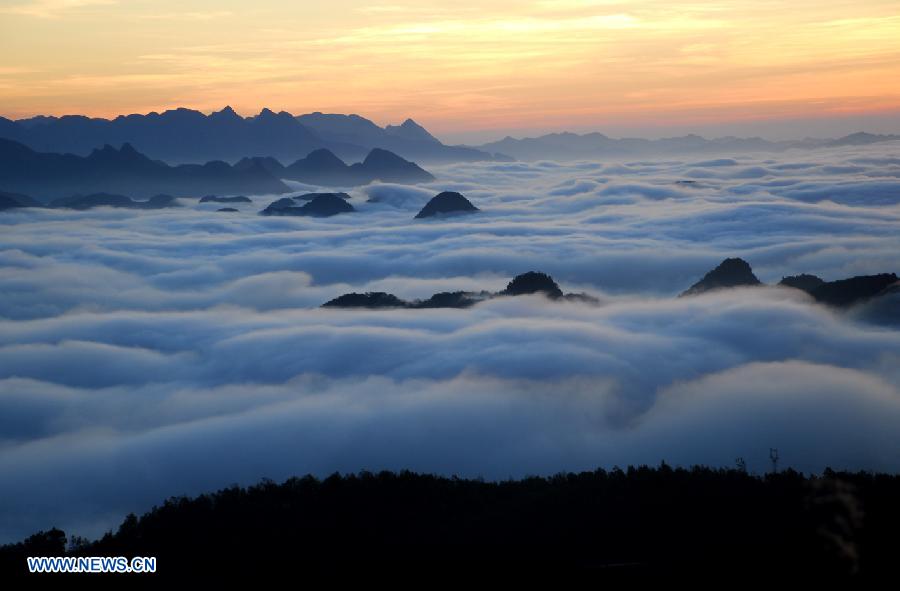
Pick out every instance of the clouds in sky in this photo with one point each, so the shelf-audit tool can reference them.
(154, 353)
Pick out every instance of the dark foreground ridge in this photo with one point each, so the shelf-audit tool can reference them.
(842, 293)
(696, 523)
(529, 283)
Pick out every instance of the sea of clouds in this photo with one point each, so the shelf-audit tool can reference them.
(145, 354)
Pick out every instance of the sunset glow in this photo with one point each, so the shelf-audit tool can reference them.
(562, 60)
(480, 64)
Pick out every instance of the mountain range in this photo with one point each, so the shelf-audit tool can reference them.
(323, 167)
(529, 283)
(572, 146)
(730, 273)
(842, 293)
(49, 176)
(185, 135)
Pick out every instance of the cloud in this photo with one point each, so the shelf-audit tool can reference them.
(52, 8)
(153, 353)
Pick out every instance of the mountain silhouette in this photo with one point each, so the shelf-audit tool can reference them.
(410, 130)
(217, 199)
(638, 523)
(385, 166)
(841, 293)
(125, 171)
(109, 200)
(16, 200)
(311, 196)
(271, 165)
(807, 283)
(732, 272)
(323, 205)
(322, 167)
(847, 292)
(448, 202)
(572, 146)
(185, 135)
(409, 140)
(372, 299)
(525, 284)
(532, 282)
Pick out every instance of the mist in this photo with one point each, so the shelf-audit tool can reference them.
(145, 354)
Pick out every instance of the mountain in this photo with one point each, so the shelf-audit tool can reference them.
(841, 293)
(272, 165)
(385, 166)
(372, 299)
(524, 284)
(185, 135)
(311, 196)
(862, 139)
(411, 131)
(322, 167)
(730, 273)
(178, 135)
(319, 167)
(448, 202)
(108, 200)
(409, 139)
(572, 146)
(807, 283)
(532, 282)
(689, 524)
(108, 170)
(217, 199)
(323, 205)
(846, 292)
(15, 200)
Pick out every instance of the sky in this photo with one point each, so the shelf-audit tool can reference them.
(468, 71)
(151, 353)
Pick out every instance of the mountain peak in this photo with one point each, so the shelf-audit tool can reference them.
(411, 130)
(533, 282)
(448, 202)
(324, 156)
(382, 156)
(732, 272)
(226, 113)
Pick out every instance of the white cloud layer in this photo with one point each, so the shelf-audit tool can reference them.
(153, 353)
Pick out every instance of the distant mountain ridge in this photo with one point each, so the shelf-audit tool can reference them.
(48, 176)
(185, 135)
(323, 167)
(572, 146)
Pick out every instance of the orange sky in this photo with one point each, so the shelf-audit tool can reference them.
(456, 66)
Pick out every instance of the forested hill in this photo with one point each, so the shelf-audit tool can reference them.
(640, 521)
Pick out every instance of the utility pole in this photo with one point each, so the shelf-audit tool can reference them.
(773, 455)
